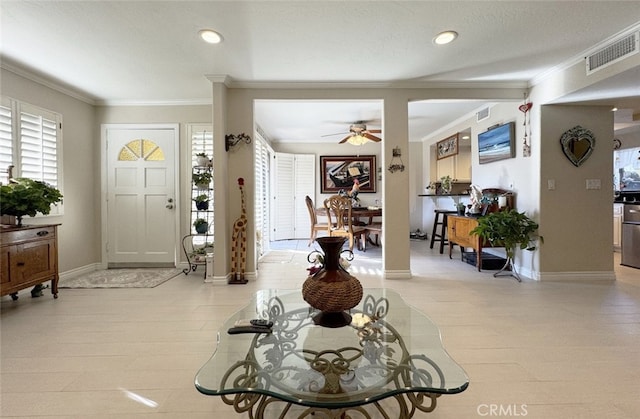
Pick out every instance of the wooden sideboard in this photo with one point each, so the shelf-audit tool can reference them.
(459, 232)
(28, 257)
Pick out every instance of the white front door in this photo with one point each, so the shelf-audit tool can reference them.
(141, 195)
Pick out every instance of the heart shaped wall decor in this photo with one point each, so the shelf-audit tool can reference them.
(577, 144)
(525, 107)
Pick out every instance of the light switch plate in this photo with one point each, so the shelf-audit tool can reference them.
(593, 184)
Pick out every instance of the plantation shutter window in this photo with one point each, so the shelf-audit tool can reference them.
(31, 141)
(38, 146)
(6, 140)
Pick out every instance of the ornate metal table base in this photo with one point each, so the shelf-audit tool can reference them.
(387, 363)
(407, 405)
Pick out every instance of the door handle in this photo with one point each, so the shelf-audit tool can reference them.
(169, 206)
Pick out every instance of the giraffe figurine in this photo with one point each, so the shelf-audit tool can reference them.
(239, 242)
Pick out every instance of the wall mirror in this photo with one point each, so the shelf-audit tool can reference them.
(577, 144)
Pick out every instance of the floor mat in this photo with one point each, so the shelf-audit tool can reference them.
(121, 278)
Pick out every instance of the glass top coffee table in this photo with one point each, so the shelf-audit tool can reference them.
(389, 360)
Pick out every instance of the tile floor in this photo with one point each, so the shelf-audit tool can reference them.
(531, 349)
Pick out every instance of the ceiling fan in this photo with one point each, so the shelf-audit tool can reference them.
(358, 134)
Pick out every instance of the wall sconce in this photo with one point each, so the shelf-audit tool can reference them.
(231, 140)
(396, 161)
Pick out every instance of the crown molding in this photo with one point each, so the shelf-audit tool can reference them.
(17, 69)
(177, 102)
(394, 84)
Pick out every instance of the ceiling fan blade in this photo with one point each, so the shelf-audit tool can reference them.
(344, 140)
(337, 133)
(374, 131)
(371, 137)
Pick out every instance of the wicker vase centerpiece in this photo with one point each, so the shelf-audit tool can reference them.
(332, 289)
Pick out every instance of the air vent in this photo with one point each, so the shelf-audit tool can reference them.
(482, 115)
(612, 53)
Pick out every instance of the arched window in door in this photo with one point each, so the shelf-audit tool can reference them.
(141, 149)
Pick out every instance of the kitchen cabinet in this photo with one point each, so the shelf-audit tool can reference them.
(28, 256)
(458, 166)
(617, 226)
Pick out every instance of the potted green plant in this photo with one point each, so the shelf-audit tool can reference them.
(509, 229)
(202, 180)
(460, 207)
(202, 202)
(202, 159)
(201, 225)
(446, 184)
(27, 197)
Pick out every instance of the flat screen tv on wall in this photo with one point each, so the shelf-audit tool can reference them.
(497, 143)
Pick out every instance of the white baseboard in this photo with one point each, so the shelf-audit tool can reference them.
(400, 274)
(83, 270)
(577, 276)
(249, 276)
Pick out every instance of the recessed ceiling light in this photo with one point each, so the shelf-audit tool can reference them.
(614, 109)
(210, 36)
(445, 37)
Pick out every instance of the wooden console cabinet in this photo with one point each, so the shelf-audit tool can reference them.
(28, 256)
(459, 232)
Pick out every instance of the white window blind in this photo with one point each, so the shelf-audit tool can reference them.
(38, 147)
(262, 213)
(31, 141)
(6, 140)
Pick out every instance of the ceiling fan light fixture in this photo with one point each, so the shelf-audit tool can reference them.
(357, 140)
(445, 37)
(210, 36)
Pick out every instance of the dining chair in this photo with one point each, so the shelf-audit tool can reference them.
(374, 228)
(341, 221)
(315, 225)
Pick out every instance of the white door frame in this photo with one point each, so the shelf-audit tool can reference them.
(104, 181)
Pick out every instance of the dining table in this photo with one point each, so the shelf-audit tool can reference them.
(356, 213)
(361, 216)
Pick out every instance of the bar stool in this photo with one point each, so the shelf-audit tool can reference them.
(442, 236)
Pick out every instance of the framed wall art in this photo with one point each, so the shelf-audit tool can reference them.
(339, 172)
(497, 143)
(447, 147)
